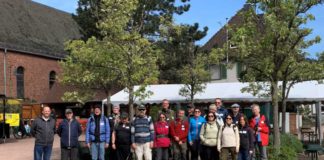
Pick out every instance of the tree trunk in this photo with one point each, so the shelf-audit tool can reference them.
(284, 106)
(131, 102)
(275, 97)
(109, 105)
(192, 96)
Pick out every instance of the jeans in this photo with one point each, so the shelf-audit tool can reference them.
(244, 154)
(162, 153)
(42, 152)
(98, 150)
(143, 149)
(260, 152)
(69, 154)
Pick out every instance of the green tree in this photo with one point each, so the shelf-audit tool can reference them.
(268, 43)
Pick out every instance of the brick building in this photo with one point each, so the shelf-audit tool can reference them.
(32, 39)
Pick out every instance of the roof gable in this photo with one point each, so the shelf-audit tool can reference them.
(30, 27)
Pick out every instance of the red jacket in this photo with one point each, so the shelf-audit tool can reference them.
(180, 129)
(264, 132)
(161, 136)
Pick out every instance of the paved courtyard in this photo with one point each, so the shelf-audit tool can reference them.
(23, 149)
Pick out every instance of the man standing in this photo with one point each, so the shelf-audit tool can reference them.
(236, 113)
(260, 124)
(43, 129)
(221, 111)
(166, 110)
(142, 131)
(121, 138)
(114, 119)
(179, 131)
(97, 134)
(69, 130)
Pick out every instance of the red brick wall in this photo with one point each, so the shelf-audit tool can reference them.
(36, 74)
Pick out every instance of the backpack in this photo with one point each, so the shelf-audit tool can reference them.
(234, 126)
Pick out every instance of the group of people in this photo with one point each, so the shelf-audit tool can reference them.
(219, 134)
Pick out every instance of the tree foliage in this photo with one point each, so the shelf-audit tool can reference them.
(274, 42)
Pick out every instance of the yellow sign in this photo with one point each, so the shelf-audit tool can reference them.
(11, 118)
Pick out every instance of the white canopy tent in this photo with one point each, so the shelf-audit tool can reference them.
(309, 91)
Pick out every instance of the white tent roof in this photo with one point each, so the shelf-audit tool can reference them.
(306, 91)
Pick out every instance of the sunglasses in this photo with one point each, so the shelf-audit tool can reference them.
(229, 118)
(211, 116)
(197, 111)
(218, 102)
(141, 109)
(162, 117)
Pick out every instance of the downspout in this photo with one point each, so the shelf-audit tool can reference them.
(5, 72)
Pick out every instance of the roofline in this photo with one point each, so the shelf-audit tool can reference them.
(43, 5)
(32, 53)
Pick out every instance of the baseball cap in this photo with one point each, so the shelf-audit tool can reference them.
(235, 105)
(68, 111)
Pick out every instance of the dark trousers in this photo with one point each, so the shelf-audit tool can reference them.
(179, 151)
(195, 150)
(244, 154)
(42, 152)
(69, 154)
(162, 153)
(123, 152)
(226, 150)
(209, 153)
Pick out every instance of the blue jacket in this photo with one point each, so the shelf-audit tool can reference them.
(69, 133)
(222, 112)
(194, 127)
(104, 130)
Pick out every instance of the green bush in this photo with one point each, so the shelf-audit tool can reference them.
(154, 112)
(290, 146)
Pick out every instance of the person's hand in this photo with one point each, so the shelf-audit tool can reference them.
(113, 146)
(134, 146)
(89, 145)
(237, 149)
(259, 128)
(151, 145)
(180, 142)
(219, 149)
(251, 152)
(176, 138)
(106, 145)
(191, 143)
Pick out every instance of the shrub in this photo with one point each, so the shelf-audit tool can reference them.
(290, 146)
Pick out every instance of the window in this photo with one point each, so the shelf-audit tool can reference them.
(52, 78)
(20, 82)
(218, 72)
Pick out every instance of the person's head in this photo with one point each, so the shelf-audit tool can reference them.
(165, 104)
(141, 110)
(197, 112)
(68, 114)
(218, 102)
(25, 122)
(243, 121)
(116, 109)
(97, 109)
(255, 109)
(212, 108)
(229, 119)
(180, 113)
(124, 118)
(235, 108)
(190, 109)
(162, 117)
(210, 117)
(46, 111)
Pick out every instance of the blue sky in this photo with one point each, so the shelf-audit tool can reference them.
(213, 14)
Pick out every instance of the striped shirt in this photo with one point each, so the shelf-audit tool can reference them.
(142, 130)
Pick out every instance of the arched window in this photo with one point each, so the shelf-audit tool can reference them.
(20, 82)
(52, 78)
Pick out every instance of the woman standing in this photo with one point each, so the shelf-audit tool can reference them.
(161, 140)
(208, 137)
(121, 138)
(228, 139)
(246, 139)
